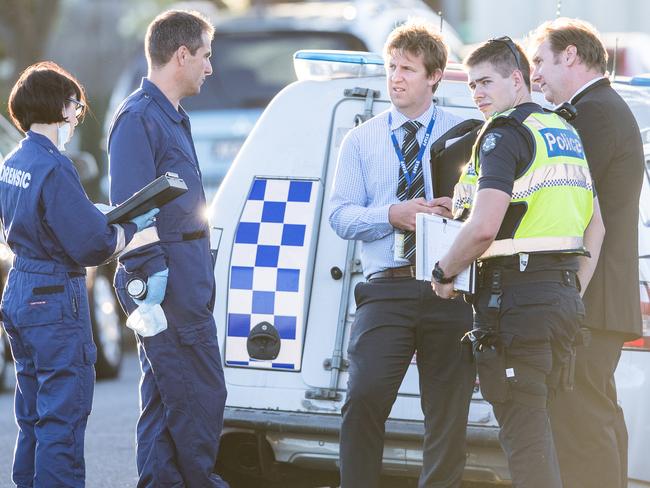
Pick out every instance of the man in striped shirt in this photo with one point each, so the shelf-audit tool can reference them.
(382, 180)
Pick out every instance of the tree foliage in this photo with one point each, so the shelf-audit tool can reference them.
(24, 29)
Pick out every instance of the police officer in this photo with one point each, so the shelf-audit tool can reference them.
(533, 218)
(182, 390)
(54, 231)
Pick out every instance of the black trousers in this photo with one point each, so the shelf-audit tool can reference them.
(395, 318)
(588, 424)
(536, 323)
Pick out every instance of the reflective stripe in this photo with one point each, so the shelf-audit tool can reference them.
(121, 239)
(510, 247)
(463, 198)
(143, 238)
(534, 122)
(565, 175)
(571, 175)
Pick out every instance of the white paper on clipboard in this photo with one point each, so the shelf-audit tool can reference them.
(434, 236)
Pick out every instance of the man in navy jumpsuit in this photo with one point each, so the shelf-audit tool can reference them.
(54, 231)
(182, 391)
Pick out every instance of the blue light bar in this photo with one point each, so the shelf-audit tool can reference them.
(640, 80)
(327, 65)
(353, 57)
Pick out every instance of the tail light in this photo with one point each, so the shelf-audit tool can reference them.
(643, 342)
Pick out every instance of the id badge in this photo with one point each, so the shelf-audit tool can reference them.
(398, 248)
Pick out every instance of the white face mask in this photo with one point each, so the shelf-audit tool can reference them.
(63, 134)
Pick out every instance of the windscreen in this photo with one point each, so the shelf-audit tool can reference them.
(251, 68)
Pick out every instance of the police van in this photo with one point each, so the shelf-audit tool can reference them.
(285, 285)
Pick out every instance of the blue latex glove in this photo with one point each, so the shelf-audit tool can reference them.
(146, 219)
(156, 286)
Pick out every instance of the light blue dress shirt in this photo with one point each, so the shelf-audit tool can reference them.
(366, 179)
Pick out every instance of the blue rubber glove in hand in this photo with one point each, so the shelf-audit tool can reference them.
(149, 318)
(156, 286)
(146, 219)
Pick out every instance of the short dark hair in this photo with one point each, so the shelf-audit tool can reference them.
(418, 37)
(500, 53)
(171, 30)
(41, 93)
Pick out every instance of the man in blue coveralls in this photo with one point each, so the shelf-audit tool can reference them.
(182, 390)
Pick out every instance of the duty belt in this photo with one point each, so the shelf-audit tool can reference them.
(513, 277)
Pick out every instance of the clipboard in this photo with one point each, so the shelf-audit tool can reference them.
(434, 236)
(160, 191)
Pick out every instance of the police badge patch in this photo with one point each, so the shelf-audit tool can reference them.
(489, 142)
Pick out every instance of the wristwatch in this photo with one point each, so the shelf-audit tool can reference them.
(439, 275)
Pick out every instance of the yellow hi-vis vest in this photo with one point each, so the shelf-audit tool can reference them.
(555, 190)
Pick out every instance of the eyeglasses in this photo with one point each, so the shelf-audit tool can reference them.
(80, 108)
(511, 45)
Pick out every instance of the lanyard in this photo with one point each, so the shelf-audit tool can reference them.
(410, 176)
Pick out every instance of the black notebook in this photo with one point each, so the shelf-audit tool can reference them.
(160, 191)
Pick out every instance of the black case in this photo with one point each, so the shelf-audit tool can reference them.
(447, 162)
(160, 191)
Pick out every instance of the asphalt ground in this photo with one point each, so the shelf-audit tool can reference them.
(110, 436)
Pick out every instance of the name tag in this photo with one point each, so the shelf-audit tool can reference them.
(398, 249)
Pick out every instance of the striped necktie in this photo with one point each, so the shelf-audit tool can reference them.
(410, 149)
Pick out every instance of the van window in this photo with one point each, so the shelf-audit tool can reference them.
(250, 68)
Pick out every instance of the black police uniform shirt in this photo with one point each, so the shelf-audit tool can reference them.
(506, 151)
(45, 212)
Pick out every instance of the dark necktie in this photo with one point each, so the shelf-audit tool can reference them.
(410, 149)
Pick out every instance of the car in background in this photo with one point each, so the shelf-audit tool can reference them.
(106, 315)
(252, 61)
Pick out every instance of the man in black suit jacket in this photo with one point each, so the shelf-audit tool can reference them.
(588, 425)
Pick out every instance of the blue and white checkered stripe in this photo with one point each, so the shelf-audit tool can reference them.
(268, 269)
